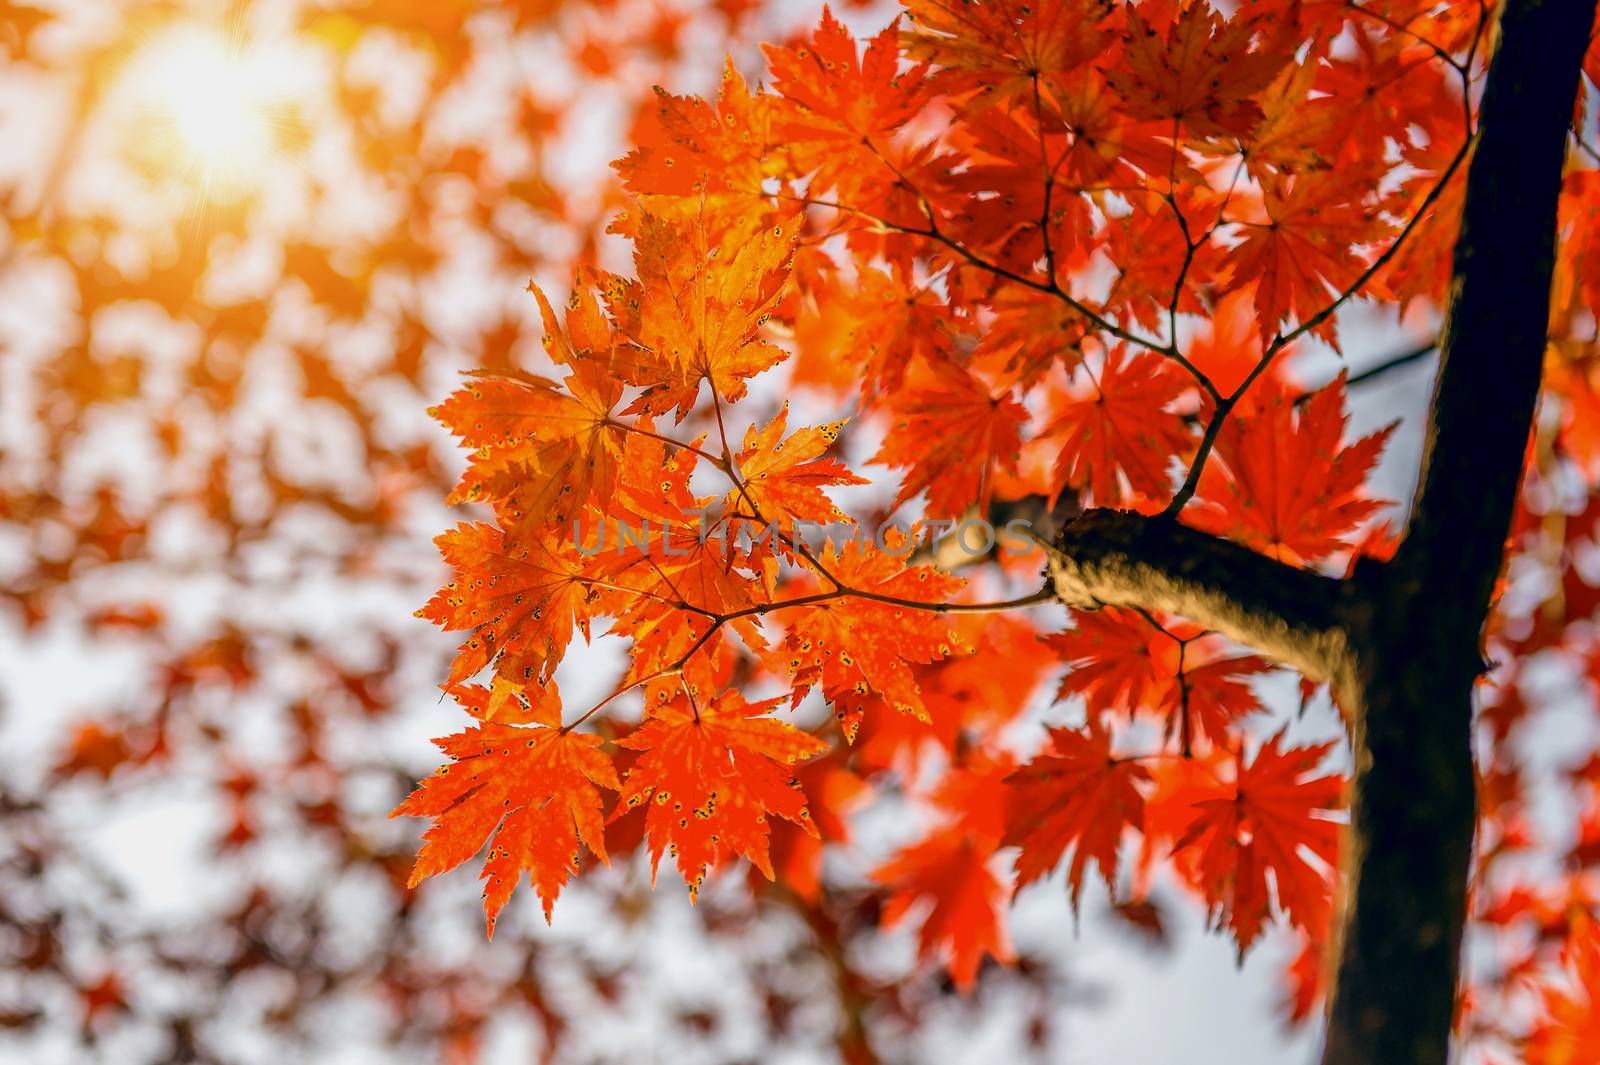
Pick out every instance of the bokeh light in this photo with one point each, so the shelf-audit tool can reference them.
(213, 98)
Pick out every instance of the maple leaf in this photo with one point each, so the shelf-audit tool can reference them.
(541, 447)
(1031, 332)
(701, 310)
(998, 50)
(1151, 246)
(863, 645)
(684, 145)
(1213, 695)
(892, 326)
(521, 601)
(711, 777)
(1074, 794)
(1228, 346)
(783, 477)
(1568, 1029)
(1374, 89)
(704, 571)
(1205, 68)
(1282, 483)
(832, 96)
(950, 439)
(534, 789)
(1109, 147)
(507, 703)
(1119, 660)
(1122, 430)
(654, 477)
(951, 867)
(1112, 657)
(1260, 828)
(539, 450)
(961, 695)
(1305, 250)
(1006, 159)
(964, 922)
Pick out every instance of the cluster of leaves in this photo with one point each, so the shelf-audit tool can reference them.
(1055, 252)
(1052, 252)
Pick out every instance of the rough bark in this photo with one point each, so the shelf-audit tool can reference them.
(1118, 558)
(1401, 641)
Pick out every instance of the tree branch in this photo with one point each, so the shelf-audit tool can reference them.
(1119, 558)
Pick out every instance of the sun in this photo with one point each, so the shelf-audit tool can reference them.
(211, 96)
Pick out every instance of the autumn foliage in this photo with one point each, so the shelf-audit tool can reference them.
(939, 288)
(1063, 252)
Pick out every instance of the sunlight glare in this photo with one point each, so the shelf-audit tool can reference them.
(212, 95)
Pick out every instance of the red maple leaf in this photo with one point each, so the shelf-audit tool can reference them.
(1204, 69)
(1121, 431)
(1305, 249)
(1568, 1028)
(1000, 50)
(1281, 479)
(521, 602)
(954, 872)
(950, 438)
(951, 868)
(1274, 809)
(1074, 794)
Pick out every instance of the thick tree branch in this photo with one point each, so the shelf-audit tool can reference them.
(1119, 558)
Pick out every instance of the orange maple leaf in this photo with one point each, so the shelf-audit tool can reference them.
(711, 776)
(702, 303)
(539, 449)
(1119, 660)
(862, 646)
(828, 94)
(685, 146)
(520, 601)
(1113, 655)
(954, 871)
(783, 477)
(533, 789)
